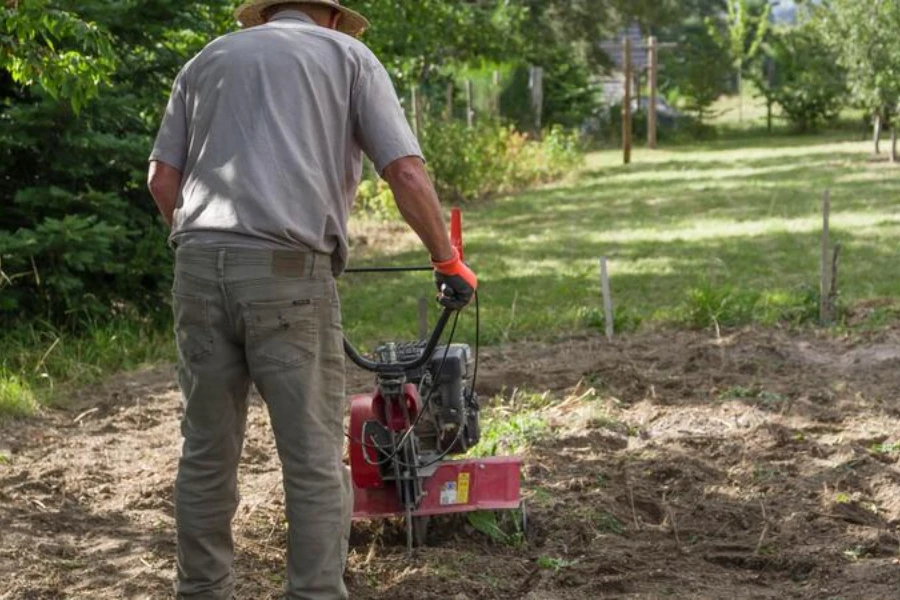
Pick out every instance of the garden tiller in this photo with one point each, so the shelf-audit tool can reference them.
(423, 409)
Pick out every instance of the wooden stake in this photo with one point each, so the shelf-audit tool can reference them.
(536, 85)
(825, 312)
(495, 98)
(652, 82)
(448, 114)
(423, 319)
(607, 299)
(417, 112)
(626, 102)
(470, 101)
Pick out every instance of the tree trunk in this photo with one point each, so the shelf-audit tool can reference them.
(769, 116)
(877, 133)
(893, 144)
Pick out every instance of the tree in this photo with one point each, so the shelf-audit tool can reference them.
(745, 28)
(67, 56)
(863, 36)
(797, 71)
(697, 74)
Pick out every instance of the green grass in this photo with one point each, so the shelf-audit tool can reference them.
(722, 233)
(714, 234)
(39, 364)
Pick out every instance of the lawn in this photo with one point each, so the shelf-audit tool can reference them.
(719, 233)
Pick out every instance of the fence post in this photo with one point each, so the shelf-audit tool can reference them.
(826, 310)
(417, 112)
(536, 85)
(607, 299)
(626, 102)
(470, 107)
(652, 82)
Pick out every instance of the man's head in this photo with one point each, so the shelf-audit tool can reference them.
(327, 13)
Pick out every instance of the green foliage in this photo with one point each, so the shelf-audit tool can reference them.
(709, 305)
(697, 74)
(467, 164)
(374, 198)
(798, 72)
(16, 397)
(80, 239)
(509, 434)
(743, 30)
(69, 57)
(39, 360)
(863, 37)
(507, 529)
(555, 564)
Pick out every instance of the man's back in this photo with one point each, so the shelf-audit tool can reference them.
(274, 136)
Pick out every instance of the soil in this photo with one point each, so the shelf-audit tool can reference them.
(676, 465)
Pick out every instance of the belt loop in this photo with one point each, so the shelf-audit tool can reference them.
(221, 262)
(312, 264)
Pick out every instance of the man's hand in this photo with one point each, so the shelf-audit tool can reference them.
(455, 281)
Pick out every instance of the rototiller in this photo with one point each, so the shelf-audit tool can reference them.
(424, 408)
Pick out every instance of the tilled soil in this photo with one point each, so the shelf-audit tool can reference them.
(763, 464)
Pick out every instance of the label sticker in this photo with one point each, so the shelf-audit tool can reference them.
(463, 488)
(448, 493)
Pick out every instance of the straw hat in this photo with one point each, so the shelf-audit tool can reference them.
(250, 14)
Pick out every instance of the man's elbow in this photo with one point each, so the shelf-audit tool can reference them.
(163, 180)
(408, 174)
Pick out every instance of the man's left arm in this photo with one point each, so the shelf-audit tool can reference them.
(164, 182)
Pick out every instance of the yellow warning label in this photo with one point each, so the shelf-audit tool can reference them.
(462, 489)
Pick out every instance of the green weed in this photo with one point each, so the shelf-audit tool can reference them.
(16, 397)
(608, 523)
(555, 564)
(507, 529)
(509, 434)
(886, 448)
(763, 397)
(39, 363)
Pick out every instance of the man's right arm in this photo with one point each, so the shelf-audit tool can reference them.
(385, 136)
(419, 205)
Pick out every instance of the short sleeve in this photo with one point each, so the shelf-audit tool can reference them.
(172, 140)
(380, 127)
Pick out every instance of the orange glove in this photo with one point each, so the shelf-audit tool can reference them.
(455, 281)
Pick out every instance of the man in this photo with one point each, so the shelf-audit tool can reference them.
(255, 169)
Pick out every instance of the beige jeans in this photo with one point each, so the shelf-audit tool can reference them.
(272, 318)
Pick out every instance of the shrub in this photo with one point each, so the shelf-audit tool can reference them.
(469, 164)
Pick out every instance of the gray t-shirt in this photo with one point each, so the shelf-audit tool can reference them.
(268, 126)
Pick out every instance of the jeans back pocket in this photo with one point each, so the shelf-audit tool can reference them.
(284, 333)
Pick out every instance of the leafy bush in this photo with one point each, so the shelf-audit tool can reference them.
(800, 74)
(468, 164)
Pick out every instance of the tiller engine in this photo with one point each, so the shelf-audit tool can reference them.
(424, 409)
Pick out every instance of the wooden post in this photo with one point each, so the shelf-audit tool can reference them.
(536, 85)
(423, 319)
(448, 111)
(653, 66)
(825, 308)
(495, 96)
(607, 299)
(470, 104)
(417, 112)
(626, 102)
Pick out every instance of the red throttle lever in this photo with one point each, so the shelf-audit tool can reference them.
(455, 281)
(456, 237)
